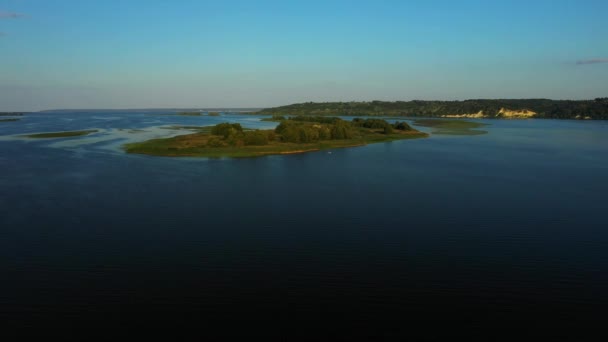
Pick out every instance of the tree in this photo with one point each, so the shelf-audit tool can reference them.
(255, 138)
(388, 129)
(402, 126)
(341, 130)
(226, 129)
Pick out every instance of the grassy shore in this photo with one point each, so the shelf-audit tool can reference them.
(60, 134)
(197, 145)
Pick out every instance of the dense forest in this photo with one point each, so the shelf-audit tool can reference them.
(303, 129)
(544, 108)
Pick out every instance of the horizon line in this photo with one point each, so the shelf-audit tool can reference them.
(203, 108)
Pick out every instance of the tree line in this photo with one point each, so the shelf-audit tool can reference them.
(545, 108)
(301, 129)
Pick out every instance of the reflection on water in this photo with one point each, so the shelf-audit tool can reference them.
(502, 228)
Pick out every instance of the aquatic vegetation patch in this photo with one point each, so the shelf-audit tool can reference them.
(66, 134)
(452, 127)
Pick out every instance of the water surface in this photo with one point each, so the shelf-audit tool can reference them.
(502, 229)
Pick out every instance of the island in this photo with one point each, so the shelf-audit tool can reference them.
(66, 134)
(596, 109)
(298, 134)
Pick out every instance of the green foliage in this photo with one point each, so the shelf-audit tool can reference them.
(324, 133)
(341, 130)
(294, 132)
(374, 124)
(319, 119)
(213, 114)
(284, 126)
(561, 109)
(303, 132)
(255, 138)
(215, 142)
(271, 135)
(370, 123)
(295, 137)
(226, 129)
(402, 126)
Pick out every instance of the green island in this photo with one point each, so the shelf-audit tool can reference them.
(60, 134)
(9, 120)
(596, 109)
(451, 127)
(213, 114)
(293, 135)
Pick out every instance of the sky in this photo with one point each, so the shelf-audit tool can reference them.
(231, 53)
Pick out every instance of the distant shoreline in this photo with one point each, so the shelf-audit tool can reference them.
(596, 109)
(159, 110)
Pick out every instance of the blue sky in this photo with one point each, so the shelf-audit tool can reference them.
(150, 53)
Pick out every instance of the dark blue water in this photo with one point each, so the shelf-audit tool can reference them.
(492, 233)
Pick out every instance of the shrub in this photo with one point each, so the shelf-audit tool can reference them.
(288, 131)
(271, 135)
(215, 142)
(226, 129)
(319, 119)
(324, 133)
(341, 130)
(371, 123)
(402, 126)
(255, 138)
